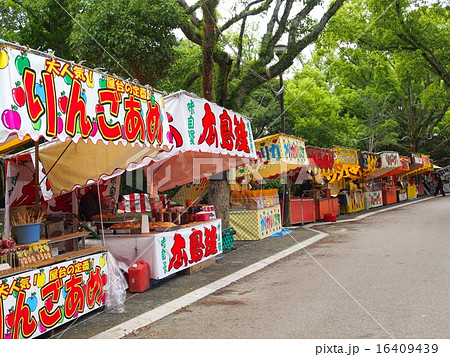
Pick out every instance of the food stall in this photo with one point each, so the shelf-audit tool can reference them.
(370, 163)
(321, 168)
(393, 175)
(207, 139)
(347, 170)
(419, 164)
(100, 119)
(278, 156)
(389, 161)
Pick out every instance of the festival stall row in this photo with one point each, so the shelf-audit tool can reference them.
(101, 129)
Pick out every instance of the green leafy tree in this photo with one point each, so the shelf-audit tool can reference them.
(315, 112)
(132, 38)
(392, 88)
(185, 71)
(43, 24)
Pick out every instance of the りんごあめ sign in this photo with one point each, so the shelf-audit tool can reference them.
(43, 96)
(39, 300)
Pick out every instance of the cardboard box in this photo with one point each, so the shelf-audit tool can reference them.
(54, 229)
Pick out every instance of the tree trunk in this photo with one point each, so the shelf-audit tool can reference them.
(209, 40)
(219, 197)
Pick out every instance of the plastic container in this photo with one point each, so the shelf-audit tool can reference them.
(228, 239)
(27, 233)
(329, 217)
(201, 217)
(138, 277)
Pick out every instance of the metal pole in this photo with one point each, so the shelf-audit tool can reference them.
(36, 179)
(286, 200)
(283, 130)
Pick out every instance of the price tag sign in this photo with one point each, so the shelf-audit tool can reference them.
(33, 253)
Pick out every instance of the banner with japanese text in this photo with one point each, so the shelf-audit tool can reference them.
(207, 139)
(346, 164)
(199, 125)
(369, 162)
(174, 251)
(277, 154)
(321, 161)
(389, 161)
(36, 301)
(44, 96)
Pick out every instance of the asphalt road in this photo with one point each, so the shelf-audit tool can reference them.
(386, 276)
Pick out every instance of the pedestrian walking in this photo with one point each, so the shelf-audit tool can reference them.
(439, 185)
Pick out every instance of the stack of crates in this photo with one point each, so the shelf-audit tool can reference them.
(228, 239)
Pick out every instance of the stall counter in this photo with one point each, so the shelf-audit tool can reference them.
(390, 195)
(374, 199)
(329, 205)
(256, 224)
(302, 210)
(350, 202)
(168, 252)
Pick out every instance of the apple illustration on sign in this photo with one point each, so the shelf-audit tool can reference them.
(67, 79)
(83, 95)
(62, 102)
(11, 118)
(94, 128)
(60, 124)
(41, 279)
(42, 328)
(21, 62)
(4, 59)
(18, 95)
(102, 82)
(9, 319)
(48, 304)
(32, 302)
(40, 91)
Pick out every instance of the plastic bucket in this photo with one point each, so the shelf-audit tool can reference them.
(27, 233)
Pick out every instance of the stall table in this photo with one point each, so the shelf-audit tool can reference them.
(390, 196)
(256, 224)
(168, 252)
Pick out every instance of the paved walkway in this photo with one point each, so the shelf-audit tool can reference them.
(173, 293)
